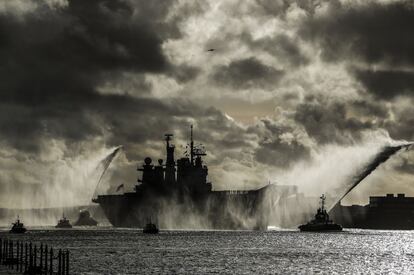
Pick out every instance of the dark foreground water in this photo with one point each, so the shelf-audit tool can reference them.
(124, 251)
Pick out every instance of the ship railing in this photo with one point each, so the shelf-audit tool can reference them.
(27, 258)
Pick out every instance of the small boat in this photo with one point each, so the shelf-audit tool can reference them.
(150, 228)
(63, 223)
(18, 227)
(321, 223)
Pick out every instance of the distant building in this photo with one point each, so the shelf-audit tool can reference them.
(382, 212)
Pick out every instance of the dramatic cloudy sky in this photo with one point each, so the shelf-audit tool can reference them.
(296, 92)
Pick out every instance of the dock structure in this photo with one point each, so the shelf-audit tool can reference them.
(19, 257)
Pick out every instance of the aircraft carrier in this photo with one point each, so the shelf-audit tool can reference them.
(177, 195)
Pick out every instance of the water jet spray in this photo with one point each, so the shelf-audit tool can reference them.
(104, 164)
(380, 158)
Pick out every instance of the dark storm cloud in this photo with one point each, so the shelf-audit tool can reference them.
(281, 154)
(144, 118)
(278, 151)
(373, 32)
(369, 33)
(279, 8)
(184, 73)
(284, 48)
(330, 122)
(215, 128)
(288, 48)
(406, 165)
(365, 108)
(386, 84)
(401, 126)
(246, 74)
(53, 60)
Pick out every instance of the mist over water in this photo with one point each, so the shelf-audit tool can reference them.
(68, 186)
(334, 170)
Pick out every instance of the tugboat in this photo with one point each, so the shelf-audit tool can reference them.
(321, 223)
(150, 228)
(18, 227)
(63, 223)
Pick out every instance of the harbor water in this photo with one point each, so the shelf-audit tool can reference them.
(129, 251)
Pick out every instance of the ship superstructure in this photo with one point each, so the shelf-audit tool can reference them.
(179, 195)
(186, 176)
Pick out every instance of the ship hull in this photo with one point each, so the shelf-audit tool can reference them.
(63, 226)
(18, 231)
(329, 227)
(214, 210)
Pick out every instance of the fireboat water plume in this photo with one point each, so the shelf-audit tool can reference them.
(333, 170)
(104, 165)
(68, 184)
(380, 158)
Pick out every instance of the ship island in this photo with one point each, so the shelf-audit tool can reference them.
(178, 195)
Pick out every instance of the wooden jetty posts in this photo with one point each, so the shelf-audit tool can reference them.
(32, 259)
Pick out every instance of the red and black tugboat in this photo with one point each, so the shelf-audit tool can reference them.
(18, 227)
(321, 223)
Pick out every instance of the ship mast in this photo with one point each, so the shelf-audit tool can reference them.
(191, 145)
(170, 164)
(323, 202)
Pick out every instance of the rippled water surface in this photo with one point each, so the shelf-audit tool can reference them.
(117, 251)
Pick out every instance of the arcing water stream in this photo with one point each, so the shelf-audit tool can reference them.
(104, 164)
(378, 159)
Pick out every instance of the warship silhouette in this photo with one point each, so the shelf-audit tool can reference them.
(321, 222)
(179, 196)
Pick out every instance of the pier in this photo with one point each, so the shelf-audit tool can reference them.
(26, 258)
